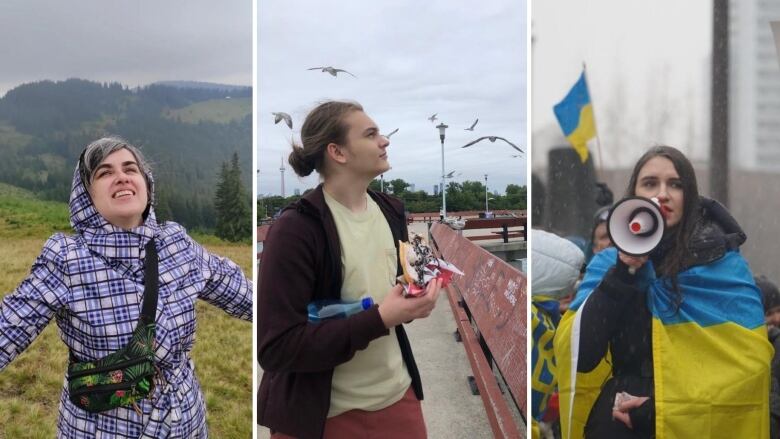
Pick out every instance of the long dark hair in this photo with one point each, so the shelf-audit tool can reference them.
(676, 239)
(323, 125)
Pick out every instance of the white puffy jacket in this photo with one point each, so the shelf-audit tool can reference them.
(555, 264)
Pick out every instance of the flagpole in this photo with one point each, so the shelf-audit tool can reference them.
(595, 125)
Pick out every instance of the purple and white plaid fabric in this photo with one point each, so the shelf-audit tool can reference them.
(92, 283)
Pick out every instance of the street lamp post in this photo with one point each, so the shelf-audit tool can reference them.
(441, 128)
(486, 197)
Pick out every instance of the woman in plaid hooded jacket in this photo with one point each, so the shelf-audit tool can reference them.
(92, 283)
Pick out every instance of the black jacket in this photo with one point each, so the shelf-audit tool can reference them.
(302, 263)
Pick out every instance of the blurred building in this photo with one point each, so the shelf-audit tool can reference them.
(754, 89)
(754, 130)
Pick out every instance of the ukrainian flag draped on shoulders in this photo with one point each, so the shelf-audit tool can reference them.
(710, 357)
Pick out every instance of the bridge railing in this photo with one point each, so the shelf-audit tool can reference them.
(489, 306)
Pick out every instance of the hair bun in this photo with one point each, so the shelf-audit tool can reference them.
(300, 163)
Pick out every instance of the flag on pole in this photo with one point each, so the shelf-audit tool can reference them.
(575, 115)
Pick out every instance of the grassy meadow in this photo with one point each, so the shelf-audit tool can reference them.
(214, 110)
(30, 386)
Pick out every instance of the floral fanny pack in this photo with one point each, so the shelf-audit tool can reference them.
(126, 376)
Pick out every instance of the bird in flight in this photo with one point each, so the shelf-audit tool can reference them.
(492, 139)
(451, 174)
(332, 70)
(433, 118)
(471, 128)
(391, 133)
(282, 116)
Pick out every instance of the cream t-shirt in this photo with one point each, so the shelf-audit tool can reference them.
(375, 377)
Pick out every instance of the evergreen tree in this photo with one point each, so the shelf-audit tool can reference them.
(242, 207)
(221, 201)
(162, 207)
(234, 222)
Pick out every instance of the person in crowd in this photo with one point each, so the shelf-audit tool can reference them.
(583, 245)
(672, 343)
(343, 377)
(599, 238)
(556, 269)
(771, 299)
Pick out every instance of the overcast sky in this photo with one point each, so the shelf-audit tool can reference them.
(133, 42)
(411, 60)
(648, 68)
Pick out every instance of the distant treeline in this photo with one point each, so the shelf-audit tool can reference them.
(461, 196)
(45, 125)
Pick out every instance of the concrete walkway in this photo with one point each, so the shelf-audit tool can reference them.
(451, 411)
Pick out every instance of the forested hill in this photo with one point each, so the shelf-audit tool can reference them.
(187, 130)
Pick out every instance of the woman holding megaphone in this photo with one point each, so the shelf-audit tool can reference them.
(666, 334)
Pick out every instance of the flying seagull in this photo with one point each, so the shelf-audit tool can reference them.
(332, 70)
(433, 118)
(492, 139)
(391, 133)
(451, 174)
(282, 116)
(471, 128)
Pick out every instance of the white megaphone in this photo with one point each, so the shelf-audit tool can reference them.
(636, 225)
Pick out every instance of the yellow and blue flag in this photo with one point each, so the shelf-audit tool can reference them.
(544, 317)
(710, 357)
(575, 115)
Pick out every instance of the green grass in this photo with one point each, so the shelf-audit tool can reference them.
(23, 215)
(30, 386)
(206, 238)
(215, 110)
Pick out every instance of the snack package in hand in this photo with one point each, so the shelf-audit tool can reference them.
(420, 266)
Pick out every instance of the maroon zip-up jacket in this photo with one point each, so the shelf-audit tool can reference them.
(302, 263)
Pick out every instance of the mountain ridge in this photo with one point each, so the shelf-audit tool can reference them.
(44, 126)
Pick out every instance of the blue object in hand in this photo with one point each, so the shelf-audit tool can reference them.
(329, 309)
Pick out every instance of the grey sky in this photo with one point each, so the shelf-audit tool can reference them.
(412, 59)
(133, 42)
(648, 73)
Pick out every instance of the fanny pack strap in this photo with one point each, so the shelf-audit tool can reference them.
(151, 285)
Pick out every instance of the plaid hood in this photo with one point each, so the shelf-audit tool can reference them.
(103, 237)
